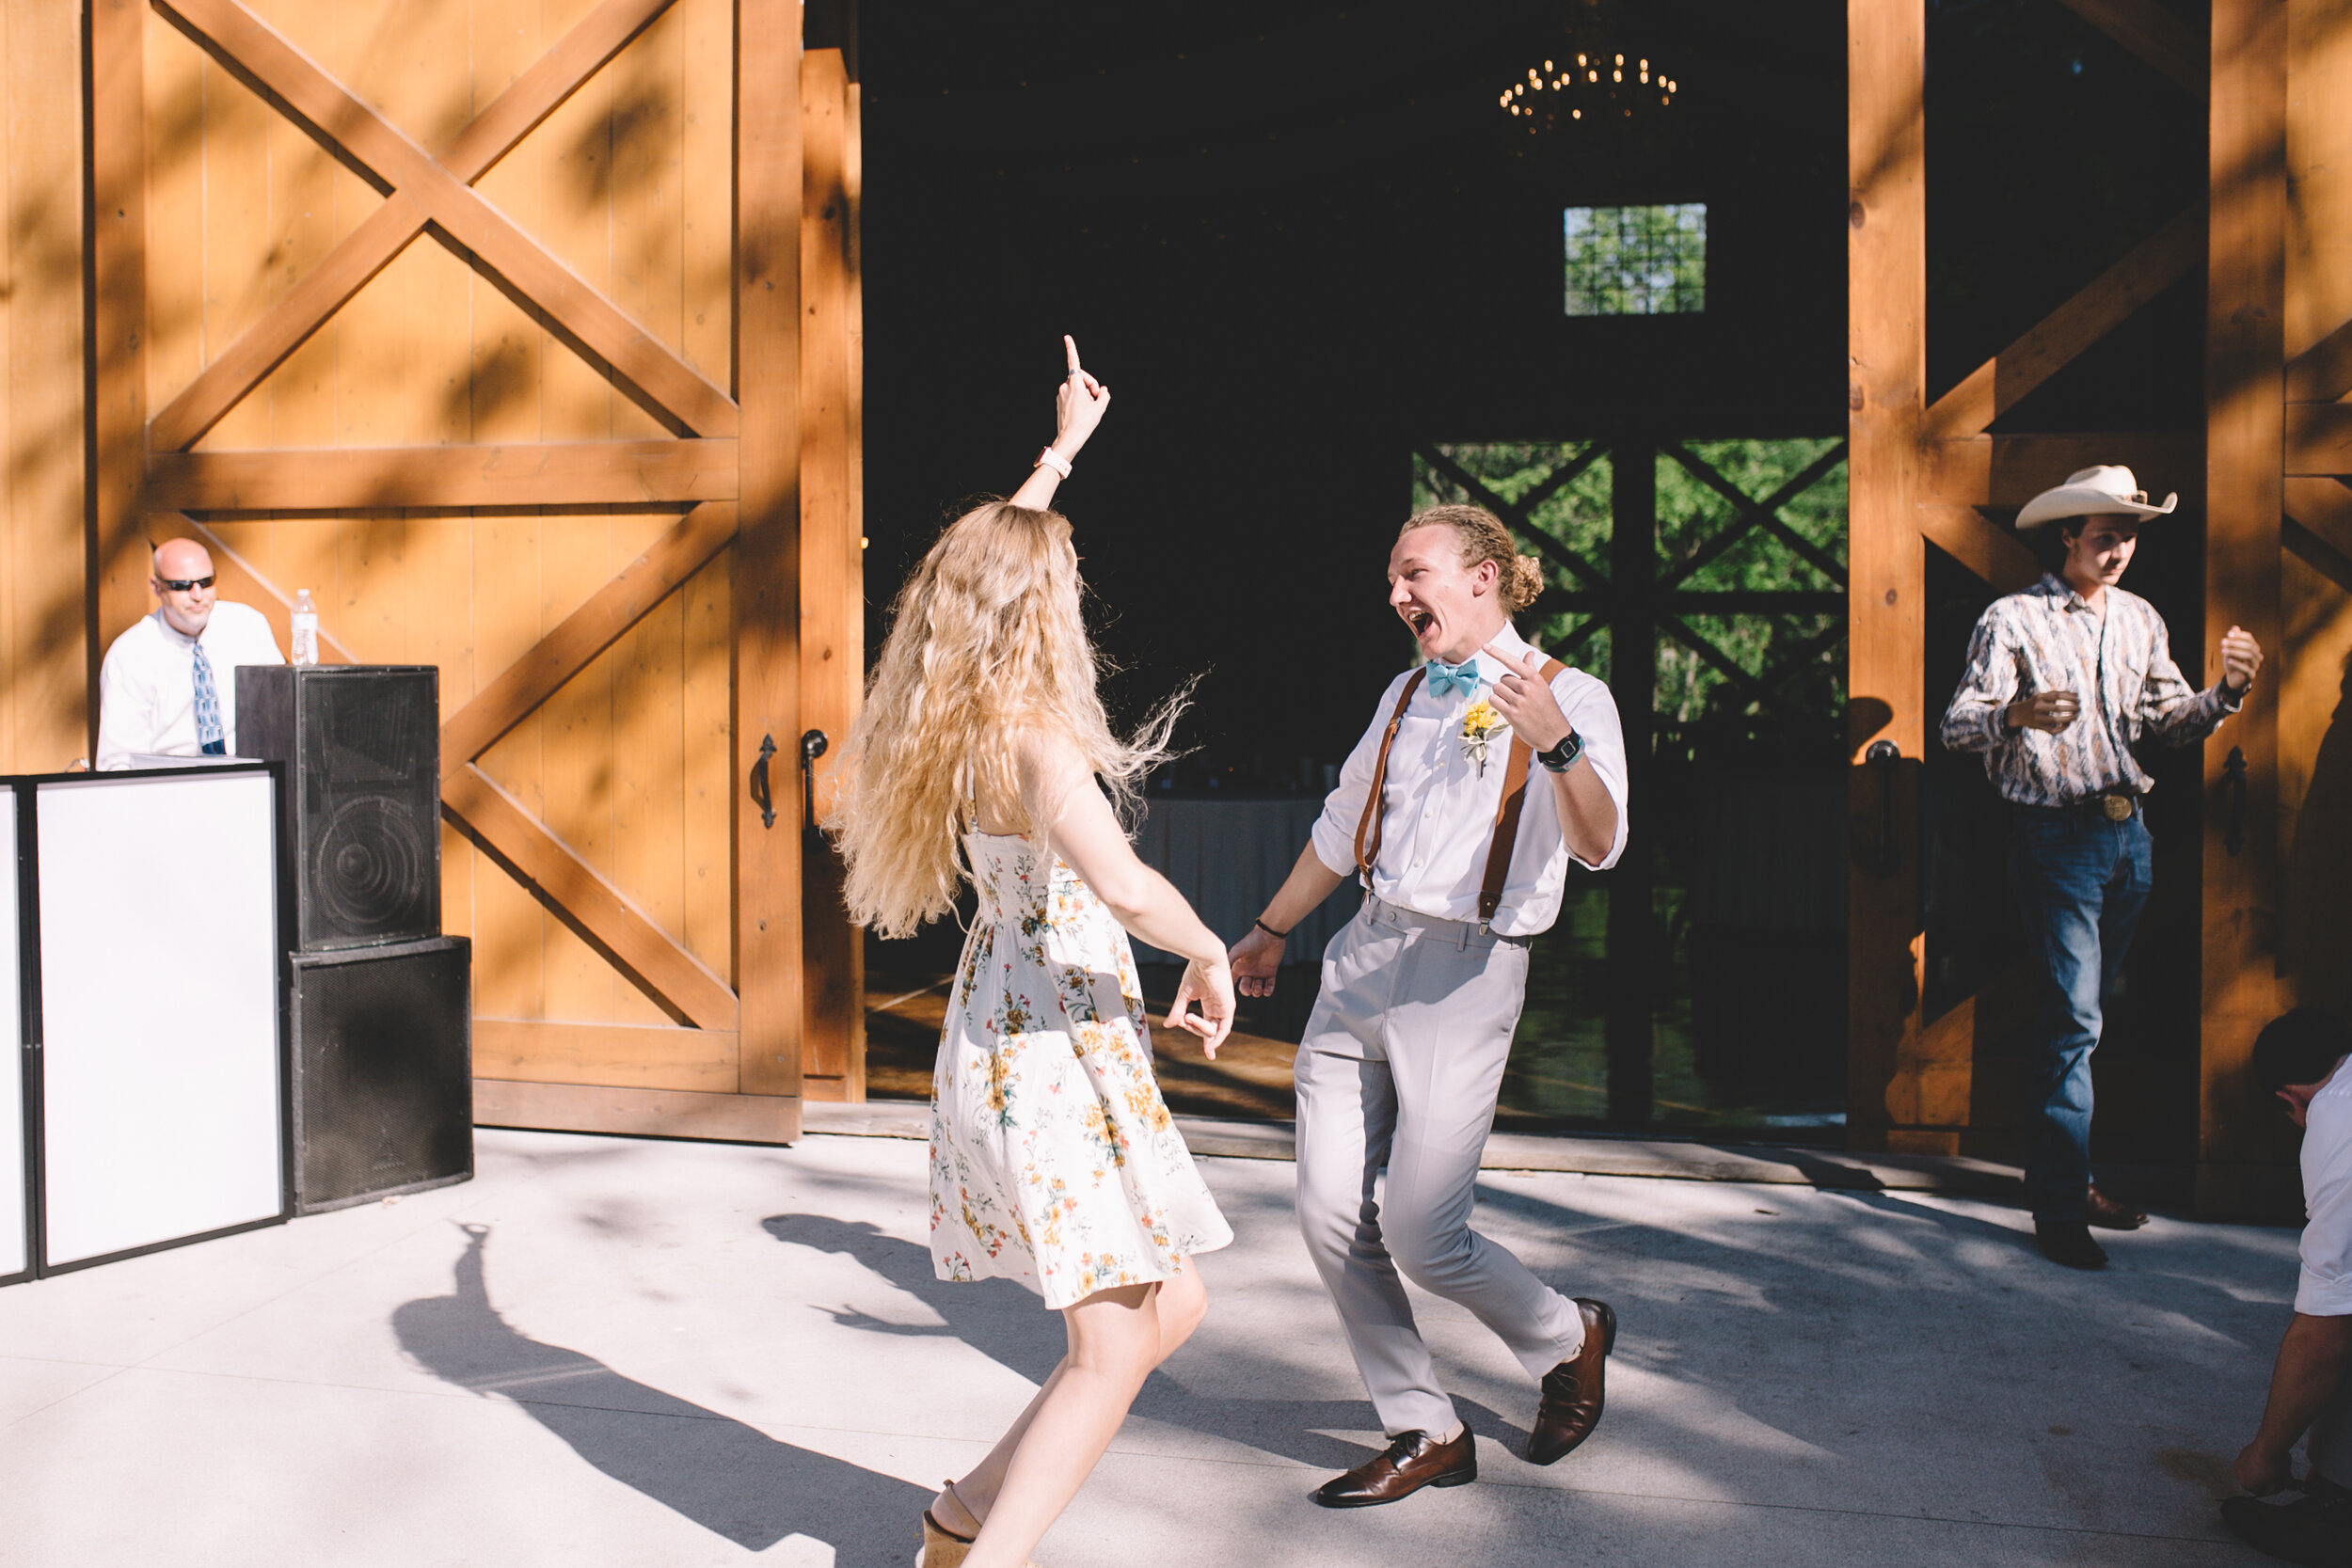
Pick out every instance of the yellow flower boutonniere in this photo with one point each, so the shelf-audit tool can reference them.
(1480, 724)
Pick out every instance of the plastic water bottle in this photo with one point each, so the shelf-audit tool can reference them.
(306, 630)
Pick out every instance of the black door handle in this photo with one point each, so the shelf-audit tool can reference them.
(1882, 755)
(761, 795)
(813, 745)
(2233, 802)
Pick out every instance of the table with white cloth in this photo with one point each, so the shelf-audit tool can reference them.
(1228, 855)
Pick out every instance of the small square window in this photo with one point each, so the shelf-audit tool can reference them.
(1636, 261)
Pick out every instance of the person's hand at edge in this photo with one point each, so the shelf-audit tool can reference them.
(1079, 405)
(2046, 711)
(1256, 959)
(2241, 659)
(1526, 703)
(1212, 987)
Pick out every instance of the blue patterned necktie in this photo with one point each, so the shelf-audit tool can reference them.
(1444, 678)
(210, 735)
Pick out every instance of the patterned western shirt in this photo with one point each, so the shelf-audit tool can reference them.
(2119, 664)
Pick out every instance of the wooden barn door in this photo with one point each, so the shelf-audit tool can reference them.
(484, 321)
(2278, 860)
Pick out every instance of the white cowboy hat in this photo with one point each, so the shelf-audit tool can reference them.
(2107, 490)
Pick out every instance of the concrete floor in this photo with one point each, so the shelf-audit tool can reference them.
(614, 1352)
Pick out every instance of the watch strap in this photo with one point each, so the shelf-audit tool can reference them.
(1563, 756)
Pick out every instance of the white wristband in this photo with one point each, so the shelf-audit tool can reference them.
(1048, 458)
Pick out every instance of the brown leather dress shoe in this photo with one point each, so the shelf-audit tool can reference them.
(2069, 1244)
(1413, 1460)
(2107, 1214)
(1575, 1390)
(2314, 1529)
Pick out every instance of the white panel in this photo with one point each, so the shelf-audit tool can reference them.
(159, 1009)
(12, 1258)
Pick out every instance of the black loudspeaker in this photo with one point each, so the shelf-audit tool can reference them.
(383, 1070)
(362, 800)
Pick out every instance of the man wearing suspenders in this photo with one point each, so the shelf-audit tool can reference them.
(1485, 773)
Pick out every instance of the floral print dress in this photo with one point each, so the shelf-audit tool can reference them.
(1054, 1161)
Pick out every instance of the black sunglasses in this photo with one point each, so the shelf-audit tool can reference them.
(181, 585)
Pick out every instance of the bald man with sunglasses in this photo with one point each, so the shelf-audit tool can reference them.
(169, 684)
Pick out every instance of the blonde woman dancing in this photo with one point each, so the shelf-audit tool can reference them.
(1053, 1160)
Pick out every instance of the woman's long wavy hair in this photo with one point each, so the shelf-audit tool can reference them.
(986, 644)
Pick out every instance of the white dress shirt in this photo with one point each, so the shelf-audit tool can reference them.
(1440, 814)
(147, 687)
(2325, 1289)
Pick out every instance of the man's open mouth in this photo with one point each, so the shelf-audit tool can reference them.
(1420, 620)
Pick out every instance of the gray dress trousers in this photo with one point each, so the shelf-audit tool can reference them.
(1399, 1069)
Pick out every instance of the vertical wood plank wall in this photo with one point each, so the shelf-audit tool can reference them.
(2239, 1138)
(833, 620)
(117, 349)
(1886, 366)
(768, 549)
(44, 638)
(2312, 685)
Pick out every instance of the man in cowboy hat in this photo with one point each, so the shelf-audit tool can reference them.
(2063, 680)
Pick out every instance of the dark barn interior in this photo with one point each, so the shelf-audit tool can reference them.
(1306, 247)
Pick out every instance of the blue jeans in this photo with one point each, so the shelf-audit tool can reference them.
(2081, 882)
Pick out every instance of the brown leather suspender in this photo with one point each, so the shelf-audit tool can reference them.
(1507, 813)
(1376, 802)
(1507, 809)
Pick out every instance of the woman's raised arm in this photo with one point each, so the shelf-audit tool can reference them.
(1078, 407)
(1081, 827)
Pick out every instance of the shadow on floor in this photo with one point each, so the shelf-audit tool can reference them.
(732, 1479)
(1012, 1327)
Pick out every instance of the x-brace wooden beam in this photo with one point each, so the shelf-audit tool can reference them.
(286, 326)
(575, 892)
(1560, 479)
(1731, 668)
(2322, 373)
(1995, 386)
(1737, 529)
(1581, 636)
(2318, 527)
(419, 190)
(1820, 560)
(1516, 515)
(1792, 663)
(1994, 553)
(596, 625)
(527, 847)
(2163, 40)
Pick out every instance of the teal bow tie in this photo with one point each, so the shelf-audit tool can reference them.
(1444, 678)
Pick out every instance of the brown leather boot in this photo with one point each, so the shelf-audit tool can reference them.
(1575, 1390)
(2107, 1214)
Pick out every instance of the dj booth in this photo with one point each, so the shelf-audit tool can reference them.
(230, 992)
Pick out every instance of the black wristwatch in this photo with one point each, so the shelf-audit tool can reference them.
(1563, 756)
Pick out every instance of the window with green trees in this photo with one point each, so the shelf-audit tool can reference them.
(1752, 587)
(1636, 261)
(1701, 983)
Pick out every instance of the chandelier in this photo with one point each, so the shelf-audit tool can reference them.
(1591, 87)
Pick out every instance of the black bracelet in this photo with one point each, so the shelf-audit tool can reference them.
(1278, 936)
